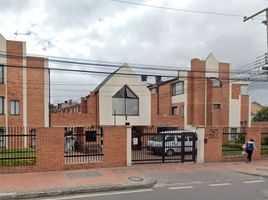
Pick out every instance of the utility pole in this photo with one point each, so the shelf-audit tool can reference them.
(265, 22)
(265, 67)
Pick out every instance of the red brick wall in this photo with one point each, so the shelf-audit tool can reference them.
(71, 119)
(50, 148)
(115, 146)
(235, 91)
(161, 105)
(261, 124)
(224, 69)
(35, 92)
(244, 108)
(196, 93)
(255, 134)
(14, 80)
(213, 146)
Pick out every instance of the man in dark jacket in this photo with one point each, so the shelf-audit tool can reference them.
(250, 147)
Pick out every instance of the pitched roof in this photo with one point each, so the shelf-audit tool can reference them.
(109, 77)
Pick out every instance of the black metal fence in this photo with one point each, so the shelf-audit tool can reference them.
(17, 147)
(264, 141)
(163, 147)
(83, 145)
(232, 141)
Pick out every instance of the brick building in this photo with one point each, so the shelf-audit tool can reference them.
(118, 100)
(23, 87)
(204, 96)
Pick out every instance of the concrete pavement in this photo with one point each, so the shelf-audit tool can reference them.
(41, 184)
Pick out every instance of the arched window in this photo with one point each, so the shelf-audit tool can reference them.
(125, 102)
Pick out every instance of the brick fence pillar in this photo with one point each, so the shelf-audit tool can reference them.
(50, 148)
(255, 134)
(213, 144)
(115, 146)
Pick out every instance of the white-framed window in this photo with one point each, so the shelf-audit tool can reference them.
(14, 107)
(244, 89)
(216, 106)
(174, 110)
(125, 102)
(2, 105)
(216, 82)
(178, 88)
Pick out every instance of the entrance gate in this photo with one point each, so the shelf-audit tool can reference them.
(164, 147)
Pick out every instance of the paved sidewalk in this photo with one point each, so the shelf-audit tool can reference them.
(40, 184)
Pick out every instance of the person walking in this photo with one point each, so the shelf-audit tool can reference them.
(250, 147)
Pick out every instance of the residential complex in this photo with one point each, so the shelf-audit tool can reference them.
(24, 87)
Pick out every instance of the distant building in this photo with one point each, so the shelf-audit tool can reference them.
(255, 107)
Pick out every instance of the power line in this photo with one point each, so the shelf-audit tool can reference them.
(164, 68)
(179, 9)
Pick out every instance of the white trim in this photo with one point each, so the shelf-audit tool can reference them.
(24, 92)
(46, 94)
(129, 143)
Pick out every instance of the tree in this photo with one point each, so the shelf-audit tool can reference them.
(261, 115)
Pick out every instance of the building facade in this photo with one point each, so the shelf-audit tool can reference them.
(206, 95)
(121, 99)
(24, 87)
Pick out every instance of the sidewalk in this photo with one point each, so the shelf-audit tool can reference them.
(40, 184)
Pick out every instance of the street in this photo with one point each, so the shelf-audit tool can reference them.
(235, 186)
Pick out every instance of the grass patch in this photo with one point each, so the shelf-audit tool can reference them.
(17, 157)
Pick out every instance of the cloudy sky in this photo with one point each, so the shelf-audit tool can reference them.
(107, 30)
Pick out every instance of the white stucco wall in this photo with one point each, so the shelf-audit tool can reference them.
(3, 60)
(114, 84)
(235, 112)
(212, 66)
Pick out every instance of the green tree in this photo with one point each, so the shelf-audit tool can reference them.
(261, 115)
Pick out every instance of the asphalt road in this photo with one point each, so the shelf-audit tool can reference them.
(252, 189)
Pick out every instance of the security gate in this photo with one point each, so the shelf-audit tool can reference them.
(164, 147)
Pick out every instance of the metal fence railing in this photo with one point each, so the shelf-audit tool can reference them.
(17, 146)
(264, 141)
(83, 145)
(232, 144)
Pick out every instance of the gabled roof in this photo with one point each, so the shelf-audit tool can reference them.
(109, 77)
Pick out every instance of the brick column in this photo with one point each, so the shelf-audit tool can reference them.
(50, 148)
(115, 146)
(213, 144)
(255, 134)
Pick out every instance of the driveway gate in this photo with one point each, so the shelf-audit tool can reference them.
(164, 147)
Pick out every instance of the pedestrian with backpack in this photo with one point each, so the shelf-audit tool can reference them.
(250, 147)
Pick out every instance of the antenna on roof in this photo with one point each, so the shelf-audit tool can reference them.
(17, 33)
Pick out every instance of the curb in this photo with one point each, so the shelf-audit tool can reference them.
(79, 190)
(254, 174)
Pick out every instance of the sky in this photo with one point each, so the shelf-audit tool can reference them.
(106, 30)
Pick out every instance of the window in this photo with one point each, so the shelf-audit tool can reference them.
(2, 137)
(125, 102)
(178, 88)
(2, 105)
(1, 74)
(216, 82)
(174, 110)
(216, 106)
(244, 89)
(91, 136)
(14, 107)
